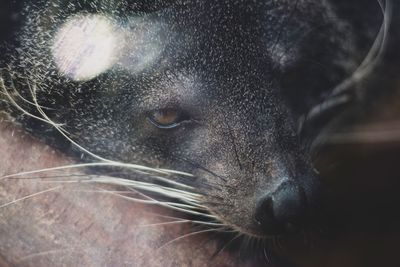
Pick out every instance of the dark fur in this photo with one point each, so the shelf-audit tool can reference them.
(245, 72)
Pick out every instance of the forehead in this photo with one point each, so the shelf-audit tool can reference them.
(230, 46)
(212, 27)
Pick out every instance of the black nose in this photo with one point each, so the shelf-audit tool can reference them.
(281, 211)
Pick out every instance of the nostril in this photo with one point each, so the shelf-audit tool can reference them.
(280, 211)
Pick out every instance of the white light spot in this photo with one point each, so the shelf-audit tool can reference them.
(143, 44)
(85, 46)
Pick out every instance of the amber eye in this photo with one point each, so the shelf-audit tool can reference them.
(167, 118)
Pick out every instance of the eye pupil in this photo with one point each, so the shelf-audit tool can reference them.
(166, 118)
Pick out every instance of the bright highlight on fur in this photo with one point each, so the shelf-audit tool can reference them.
(88, 45)
(85, 47)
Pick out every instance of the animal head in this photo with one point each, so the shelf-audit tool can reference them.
(211, 88)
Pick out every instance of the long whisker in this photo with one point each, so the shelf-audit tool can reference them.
(180, 219)
(29, 196)
(163, 216)
(190, 234)
(71, 176)
(189, 202)
(167, 191)
(219, 251)
(43, 253)
(99, 164)
(173, 206)
(180, 222)
(199, 166)
(23, 98)
(16, 105)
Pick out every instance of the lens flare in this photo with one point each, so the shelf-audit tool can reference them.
(85, 46)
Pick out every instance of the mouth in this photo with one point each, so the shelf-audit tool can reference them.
(281, 209)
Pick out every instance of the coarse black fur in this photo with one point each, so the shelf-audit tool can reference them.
(243, 75)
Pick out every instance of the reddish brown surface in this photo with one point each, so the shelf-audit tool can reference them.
(75, 226)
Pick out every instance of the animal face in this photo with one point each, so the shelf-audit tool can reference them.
(210, 88)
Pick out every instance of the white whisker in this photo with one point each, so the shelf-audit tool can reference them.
(180, 222)
(23, 98)
(16, 105)
(29, 196)
(43, 253)
(238, 235)
(190, 234)
(97, 164)
(163, 204)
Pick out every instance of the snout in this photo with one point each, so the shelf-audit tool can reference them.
(282, 210)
